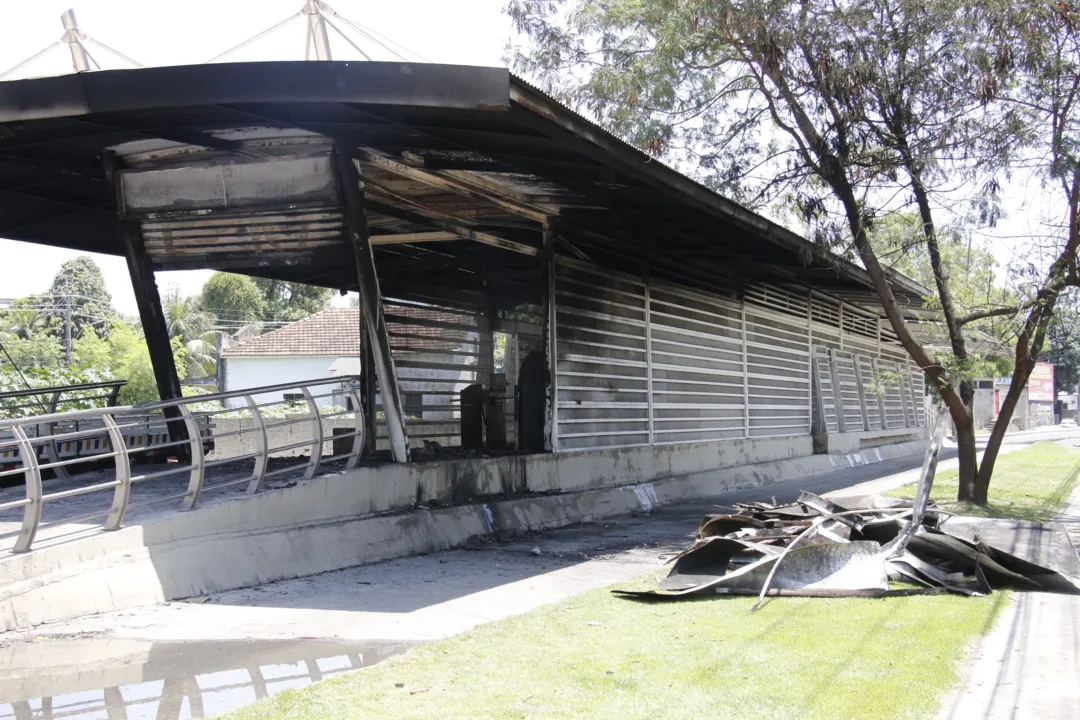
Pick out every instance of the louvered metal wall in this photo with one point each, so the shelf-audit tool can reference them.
(602, 378)
(880, 387)
(438, 351)
(640, 363)
(867, 380)
(778, 361)
(697, 361)
(647, 362)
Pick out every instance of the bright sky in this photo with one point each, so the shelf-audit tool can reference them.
(153, 32)
(468, 32)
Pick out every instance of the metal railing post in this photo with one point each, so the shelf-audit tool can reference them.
(262, 460)
(123, 474)
(361, 429)
(51, 453)
(316, 435)
(32, 513)
(198, 469)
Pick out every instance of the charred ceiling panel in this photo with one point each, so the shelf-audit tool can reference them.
(257, 184)
(219, 213)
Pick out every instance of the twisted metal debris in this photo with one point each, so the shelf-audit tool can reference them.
(858, 546)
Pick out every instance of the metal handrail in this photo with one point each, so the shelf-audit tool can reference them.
(116, 422)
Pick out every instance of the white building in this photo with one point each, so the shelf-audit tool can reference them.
(437, 353)
(304, 350)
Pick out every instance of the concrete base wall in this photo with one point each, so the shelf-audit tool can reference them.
(228, 445)
(851, 442)
(374, 514)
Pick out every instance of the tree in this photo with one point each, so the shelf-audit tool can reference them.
(1063, 339)
(39, 351)
(91, 351)
(976, 281)
(23, 320)
(80, 285)
(289, 301)
(841, 113)
(232, 299)
(1039, 44)
(193, 327)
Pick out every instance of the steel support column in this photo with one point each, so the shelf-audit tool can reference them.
(371, 311)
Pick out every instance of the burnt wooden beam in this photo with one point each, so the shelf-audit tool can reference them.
(472, 189)
(414, 237)
(369, 392)
(551, 413)
(371, 310)
(448, 225)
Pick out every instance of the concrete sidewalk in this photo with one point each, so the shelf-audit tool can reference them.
(441, 594)
(1029, 665)
(375, 610)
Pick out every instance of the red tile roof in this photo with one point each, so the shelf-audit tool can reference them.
(336, 332)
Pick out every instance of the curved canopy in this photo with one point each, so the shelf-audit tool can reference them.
(463, 167)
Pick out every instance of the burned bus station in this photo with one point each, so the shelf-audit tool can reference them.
(659, 339)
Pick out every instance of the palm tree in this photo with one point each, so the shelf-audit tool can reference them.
(22, 323)
(186, 319)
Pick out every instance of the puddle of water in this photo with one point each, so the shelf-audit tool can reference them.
(118, 679)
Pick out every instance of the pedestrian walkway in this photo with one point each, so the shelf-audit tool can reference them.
(1029, 664)
(366, 613)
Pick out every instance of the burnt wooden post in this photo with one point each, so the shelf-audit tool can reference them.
(551, 415)
(151, 314)
(148, 300)
(367, 390)
(371, 312)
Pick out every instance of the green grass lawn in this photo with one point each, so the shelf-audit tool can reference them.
(1030, 484)
(600, 656)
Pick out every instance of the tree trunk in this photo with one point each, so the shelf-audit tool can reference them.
(962, 419)
(967, 454)
(981, 490)
(1028, 345)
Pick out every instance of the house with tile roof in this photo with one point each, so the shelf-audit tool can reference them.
(303, 350)
(428, 345)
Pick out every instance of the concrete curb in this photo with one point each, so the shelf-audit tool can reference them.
(125, 569)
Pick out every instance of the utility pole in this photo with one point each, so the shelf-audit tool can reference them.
(67, 331)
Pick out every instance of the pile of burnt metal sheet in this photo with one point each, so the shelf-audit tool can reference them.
(857, 546)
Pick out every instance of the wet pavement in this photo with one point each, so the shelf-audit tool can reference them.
(127, 679)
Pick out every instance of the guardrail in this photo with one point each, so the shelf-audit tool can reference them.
(127, 435)
(16, 403)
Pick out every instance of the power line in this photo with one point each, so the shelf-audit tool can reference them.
(20, 372)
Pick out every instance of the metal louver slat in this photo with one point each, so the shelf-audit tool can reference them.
(438, 352)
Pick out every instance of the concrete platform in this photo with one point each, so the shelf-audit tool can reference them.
(373, 514)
